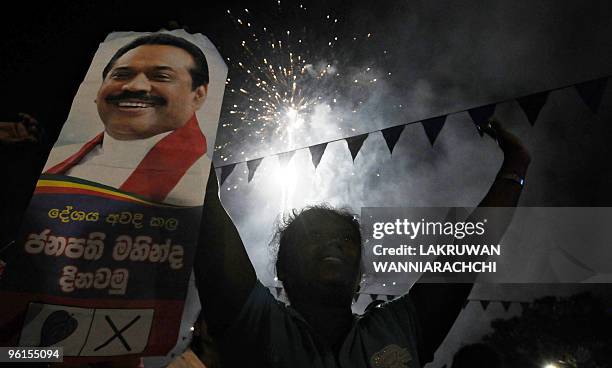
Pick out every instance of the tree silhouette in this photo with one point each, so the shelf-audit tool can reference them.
(573, 331)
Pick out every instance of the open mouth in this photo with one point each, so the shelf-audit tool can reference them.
(332, 259)
(125, 101)
(134, 104)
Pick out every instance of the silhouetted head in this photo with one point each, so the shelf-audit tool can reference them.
(319, 254)
(477, 355)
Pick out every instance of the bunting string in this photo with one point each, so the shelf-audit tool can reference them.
(590, 92)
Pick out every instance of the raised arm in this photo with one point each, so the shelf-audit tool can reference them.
(224, 273)
(438, 305)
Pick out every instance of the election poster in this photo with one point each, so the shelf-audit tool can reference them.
(105, 252)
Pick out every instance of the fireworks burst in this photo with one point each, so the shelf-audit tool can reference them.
(285, 81)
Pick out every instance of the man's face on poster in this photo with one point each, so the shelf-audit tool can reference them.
(149, 91)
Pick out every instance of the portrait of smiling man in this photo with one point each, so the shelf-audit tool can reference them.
(143, 148)
(152, 144)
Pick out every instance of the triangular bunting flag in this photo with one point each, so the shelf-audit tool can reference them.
(226, 171)
(392, 135)
(355, 143)
(278, 290)
(506, 305)
(316, 152)
(356, 297)
(433, 127)
(373, 296)
(252, 166)
(532, 105)
(285, 157)
(524, 305)
(481, 115)
(484, 304)
(390, 297)
(591, 92)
